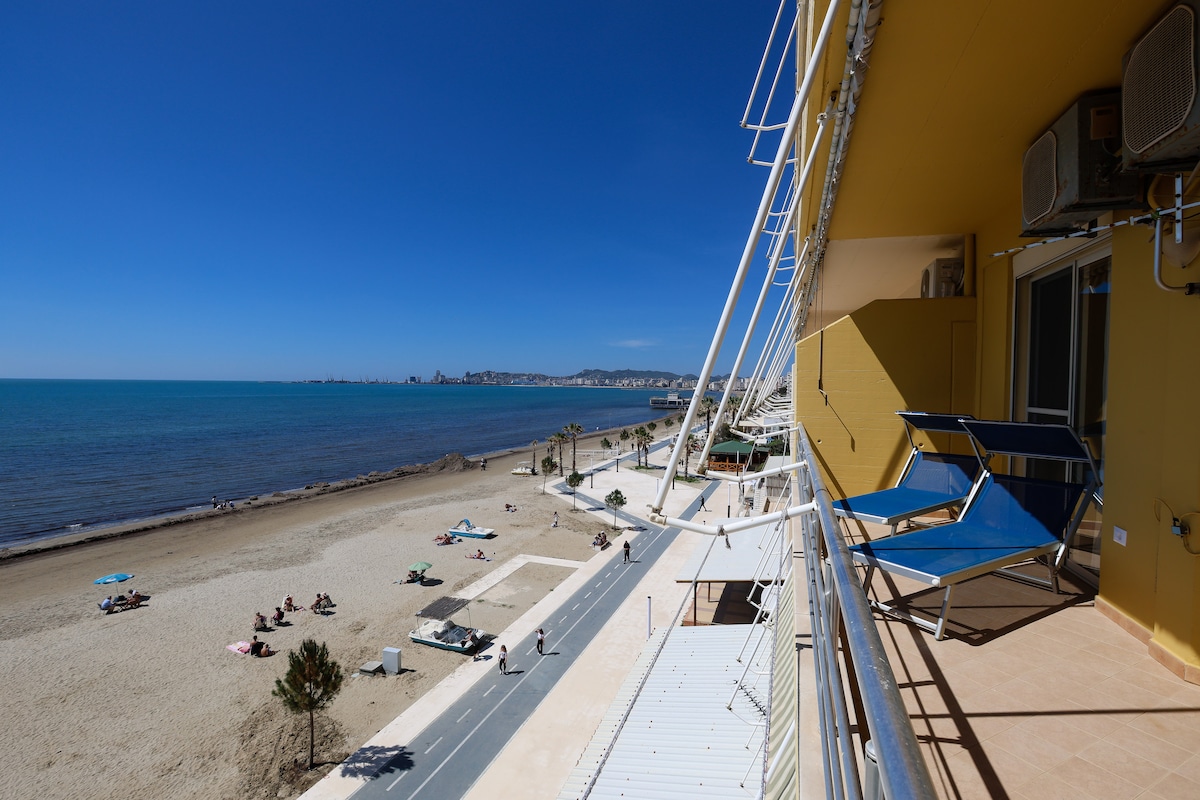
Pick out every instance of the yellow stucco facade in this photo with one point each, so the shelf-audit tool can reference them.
(948, 110)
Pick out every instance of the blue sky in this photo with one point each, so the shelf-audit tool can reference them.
(289, 190)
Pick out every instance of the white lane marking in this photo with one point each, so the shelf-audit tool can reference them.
(464, 716)
(435, 744)
(462, 743)
(403, 775)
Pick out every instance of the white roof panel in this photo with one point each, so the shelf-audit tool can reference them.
(680, 741)
(751, 555)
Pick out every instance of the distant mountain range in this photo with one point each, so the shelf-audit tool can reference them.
(619, 374)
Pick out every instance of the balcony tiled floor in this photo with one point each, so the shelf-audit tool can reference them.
(1036, 695)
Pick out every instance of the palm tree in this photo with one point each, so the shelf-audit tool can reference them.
(312, 680)
(559, 439)
(533, 457)
(709, 406)
(573, 430)
(689, 447)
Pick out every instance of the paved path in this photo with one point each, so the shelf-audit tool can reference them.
(446, 758)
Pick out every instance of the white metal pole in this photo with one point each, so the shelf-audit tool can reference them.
(764, 208)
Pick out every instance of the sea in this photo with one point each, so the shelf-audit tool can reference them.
(77, 455)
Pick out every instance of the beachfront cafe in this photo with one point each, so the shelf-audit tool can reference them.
(736, 456)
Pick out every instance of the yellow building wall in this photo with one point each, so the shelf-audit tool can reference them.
(891, 355)
(1153, 450)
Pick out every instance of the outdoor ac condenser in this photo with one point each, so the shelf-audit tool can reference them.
(1072, 172)
(1160, 116)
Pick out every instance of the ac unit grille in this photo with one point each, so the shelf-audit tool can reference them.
(1159, 85)
(1039, 178)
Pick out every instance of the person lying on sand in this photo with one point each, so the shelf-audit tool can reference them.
(509, 507)
(477, 554)
(260, 649)
(445, 538)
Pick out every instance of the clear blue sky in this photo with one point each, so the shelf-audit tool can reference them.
(289, 190)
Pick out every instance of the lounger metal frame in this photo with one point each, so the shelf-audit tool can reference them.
(1058, 442)
(929, 423)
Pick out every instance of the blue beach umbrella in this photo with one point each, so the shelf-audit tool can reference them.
(116, 577)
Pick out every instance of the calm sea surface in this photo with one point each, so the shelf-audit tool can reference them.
(82, 454)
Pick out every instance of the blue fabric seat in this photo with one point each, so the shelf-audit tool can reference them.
(929, 481)
(1008, 520)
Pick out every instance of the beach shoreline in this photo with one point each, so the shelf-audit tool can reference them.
(52, 541)
(80, 681)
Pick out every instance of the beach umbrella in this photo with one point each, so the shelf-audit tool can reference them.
(116, 577)
(420, 566)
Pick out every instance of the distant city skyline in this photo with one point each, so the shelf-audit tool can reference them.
(279, 192)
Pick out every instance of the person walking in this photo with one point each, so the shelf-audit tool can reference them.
(626, 551)
(541, 641)
(702, 507)
(554, 524)
(503, 658)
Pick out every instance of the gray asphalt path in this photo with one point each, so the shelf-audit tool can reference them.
(446, 758)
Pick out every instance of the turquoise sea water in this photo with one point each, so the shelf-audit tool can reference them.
(81, 454)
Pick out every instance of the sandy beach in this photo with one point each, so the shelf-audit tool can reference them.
(150, 700)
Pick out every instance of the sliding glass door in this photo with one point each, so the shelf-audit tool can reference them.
(1060, 369)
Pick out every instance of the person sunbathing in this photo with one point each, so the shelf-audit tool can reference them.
(134, 600)
(289, 605)
(277, 617)
(415, 577)
(445, 538)
(260, 649)
(260, 622)
(477, 554)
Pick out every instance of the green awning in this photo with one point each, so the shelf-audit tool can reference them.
(734, 446)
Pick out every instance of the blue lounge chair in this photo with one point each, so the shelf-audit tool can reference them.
(1008, 520)
(929, 481)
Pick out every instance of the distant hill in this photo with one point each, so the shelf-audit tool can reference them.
(621, 374)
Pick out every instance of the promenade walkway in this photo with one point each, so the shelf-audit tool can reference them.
(478, 732)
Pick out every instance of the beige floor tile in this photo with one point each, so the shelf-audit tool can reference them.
(1097, 782)
(1174, 786)
(1133, 768)
(1063, 729)
(1190, 769)
(1040, 752)
(984, 771)
(1150, 747)
(1049, 787)
(1178, 727)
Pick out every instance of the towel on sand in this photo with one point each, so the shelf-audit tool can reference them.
(239, 647)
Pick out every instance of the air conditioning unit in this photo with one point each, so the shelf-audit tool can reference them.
(1073, 171)
(942, 278)
(1160, 118)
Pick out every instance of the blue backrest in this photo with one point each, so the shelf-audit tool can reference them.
(1015, 505)
(944, 473)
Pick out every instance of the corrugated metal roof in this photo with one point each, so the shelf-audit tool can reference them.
(680, 741)
(742, 560)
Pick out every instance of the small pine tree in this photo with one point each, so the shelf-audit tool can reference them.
(312, 680)
(573, 480)
(616, 501)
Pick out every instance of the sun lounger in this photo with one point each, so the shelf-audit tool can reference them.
(1008, 520)
(929, 481)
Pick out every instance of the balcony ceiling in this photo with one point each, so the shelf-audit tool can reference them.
(955, 94)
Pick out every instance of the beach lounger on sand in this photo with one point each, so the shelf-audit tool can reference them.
(929, 481)
(1008, 520)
